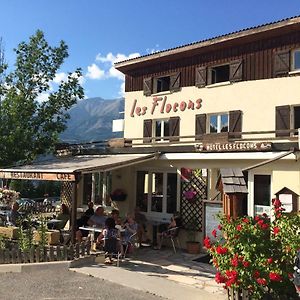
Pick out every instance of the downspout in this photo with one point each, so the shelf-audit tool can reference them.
(74, 207)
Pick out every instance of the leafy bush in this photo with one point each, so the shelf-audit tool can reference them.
(257, 254)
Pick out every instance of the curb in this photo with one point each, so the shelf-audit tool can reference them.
(54, 265)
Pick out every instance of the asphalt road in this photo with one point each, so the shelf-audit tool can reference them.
(63, 285)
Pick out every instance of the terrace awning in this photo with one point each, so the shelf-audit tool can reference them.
(64, 169)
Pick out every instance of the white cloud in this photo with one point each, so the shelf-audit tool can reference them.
(59, 77)
(94, 72)
(122, 89)
(43, 97)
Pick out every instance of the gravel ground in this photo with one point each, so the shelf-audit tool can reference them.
(64, 285)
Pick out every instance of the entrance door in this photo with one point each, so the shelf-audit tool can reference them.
(262, 194)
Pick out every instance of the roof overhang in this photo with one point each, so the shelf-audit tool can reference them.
(65, 169)
(246, 35)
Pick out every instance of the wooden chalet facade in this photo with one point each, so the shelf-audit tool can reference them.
(228, 102)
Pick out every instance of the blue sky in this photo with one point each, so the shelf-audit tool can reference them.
(100, 32)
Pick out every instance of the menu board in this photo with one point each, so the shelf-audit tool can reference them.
(211, 210)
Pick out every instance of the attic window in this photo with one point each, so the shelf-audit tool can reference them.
(219, 74)
(162, 84)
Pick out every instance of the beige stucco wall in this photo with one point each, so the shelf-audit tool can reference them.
(256, 99)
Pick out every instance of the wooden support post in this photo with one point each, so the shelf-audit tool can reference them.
(74, 208)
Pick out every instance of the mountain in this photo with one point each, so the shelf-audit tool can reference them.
(91, 120)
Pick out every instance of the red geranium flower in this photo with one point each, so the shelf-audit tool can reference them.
(256, 274)
(276, 230)
(246, 220)
(214, 233)
(207, 243)
(221, 250)
(275, 276)
(261, 281)
(220, 278)
(220, 227)
(239, 227)
(270, 260)
(246, 264)
(235, 261)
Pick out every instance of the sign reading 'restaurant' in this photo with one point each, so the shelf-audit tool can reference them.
(38, 176)
(162, 105)
(231, 147)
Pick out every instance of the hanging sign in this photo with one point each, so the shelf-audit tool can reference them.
(38, 176)
(233, 147)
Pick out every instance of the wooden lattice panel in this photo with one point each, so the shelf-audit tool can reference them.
(193, 192)
(66, 193)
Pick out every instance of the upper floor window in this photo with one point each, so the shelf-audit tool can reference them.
(218, 123)
(161, 129)
(161, 84)
(219, 74)
(287, 118)
(296, 59)
(153, 85)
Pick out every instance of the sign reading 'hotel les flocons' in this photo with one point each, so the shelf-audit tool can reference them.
(162, 105)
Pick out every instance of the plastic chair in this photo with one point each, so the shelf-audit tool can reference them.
(131, 242)
(111, 247)
(172, 234)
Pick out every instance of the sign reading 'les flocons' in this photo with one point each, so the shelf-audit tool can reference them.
(163, 105)
(38, 176)
(232, 147)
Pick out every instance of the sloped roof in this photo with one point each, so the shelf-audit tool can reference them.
(211, 41)
(233, 181)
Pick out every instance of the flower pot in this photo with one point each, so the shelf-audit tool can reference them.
(118, 197)
(193, 247)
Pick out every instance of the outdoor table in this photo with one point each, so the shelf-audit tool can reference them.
(91, 230)
(155, 224)
(53, 222)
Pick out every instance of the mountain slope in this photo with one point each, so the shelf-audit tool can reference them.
(91, 120)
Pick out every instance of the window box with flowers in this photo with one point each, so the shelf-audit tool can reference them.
(256, 255)
(118, 195)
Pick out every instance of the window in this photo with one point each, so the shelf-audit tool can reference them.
(162, 84)
(296, 59)
(262, 194)
(161, 129)
(156, 192)
(218, 123)
(219, 74)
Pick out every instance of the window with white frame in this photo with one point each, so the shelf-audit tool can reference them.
(161, 129)
(296, 59)
(218, 123)
(156, 193)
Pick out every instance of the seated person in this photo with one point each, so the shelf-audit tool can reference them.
(97, 219)
(109, 232)
(13, 217)
(131, 228)
(82, 221)
(141, 220)
(164, 229)
(64, 216)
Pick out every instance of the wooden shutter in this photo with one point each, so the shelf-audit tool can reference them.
(147, 86)
(147, 131)
(236, 70)
(175, 82)
(283, 119)
(174, 127)
(281, 63)
(235, 123)
(200, 77)
(200, 126)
